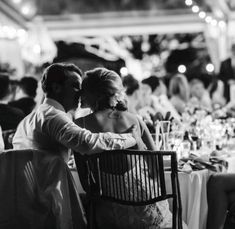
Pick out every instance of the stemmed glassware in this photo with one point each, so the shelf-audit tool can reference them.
(162, 134)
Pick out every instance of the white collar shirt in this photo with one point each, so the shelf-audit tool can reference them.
(49, 128)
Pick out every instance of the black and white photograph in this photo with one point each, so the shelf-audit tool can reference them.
(117, 114)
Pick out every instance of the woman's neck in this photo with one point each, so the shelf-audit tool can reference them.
(110, 113)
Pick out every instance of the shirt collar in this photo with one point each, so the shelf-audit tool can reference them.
(54, 103)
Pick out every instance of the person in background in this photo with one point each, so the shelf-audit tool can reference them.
(221, 199)
(49, 128)
(137, 98)
(179, 92)
(159, 99)
(104, 93)
(145, 108)
(216, 92)
(199, 95)
(25, 95)
(9, 116)
(227, 72)
(133, 93)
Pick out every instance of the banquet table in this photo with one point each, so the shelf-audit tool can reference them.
(193, 188)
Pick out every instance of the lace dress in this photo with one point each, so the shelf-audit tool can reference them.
(117, 216)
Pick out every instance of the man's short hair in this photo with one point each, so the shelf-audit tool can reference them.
(57, 73)
(4, 85)
(29, 85)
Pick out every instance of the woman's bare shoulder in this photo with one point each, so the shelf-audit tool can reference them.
(130, 115)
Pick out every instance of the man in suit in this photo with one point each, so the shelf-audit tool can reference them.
(227, 72)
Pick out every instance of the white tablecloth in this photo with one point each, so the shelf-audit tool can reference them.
(193, 198)
(193, 189)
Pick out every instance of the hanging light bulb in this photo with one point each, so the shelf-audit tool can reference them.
(182, 68)
(188, 2)
(124, 71)
(210, 67)
(202, 14)
(195, 9)
(208, 19)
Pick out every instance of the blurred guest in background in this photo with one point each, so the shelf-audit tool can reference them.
(9, 116)
(159, 99)
(221, 199)
(199, 95)
(216, 92)
(25, 95)
(151, 90)
(179, 92)
(145, 108)
(227, 72)
(133, 93)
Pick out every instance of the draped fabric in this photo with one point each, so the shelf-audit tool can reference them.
(37, 191)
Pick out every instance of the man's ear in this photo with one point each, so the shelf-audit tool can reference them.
(56, 88)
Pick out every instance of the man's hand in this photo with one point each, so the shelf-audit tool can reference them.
(139, 142)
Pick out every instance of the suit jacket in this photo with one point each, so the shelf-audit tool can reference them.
(226, 73)
(10, 117)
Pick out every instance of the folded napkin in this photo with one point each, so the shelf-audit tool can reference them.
(199, 163)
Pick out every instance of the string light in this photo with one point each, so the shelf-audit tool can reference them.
(25, 7)
(25, 10)
(37, 49)
(208, 19)
(214, 22)
(201, 14)
(9, 32)
(124, 71)
(222, 24)
(182, 68)
(188, 2)
(210, 67)
(195, 9)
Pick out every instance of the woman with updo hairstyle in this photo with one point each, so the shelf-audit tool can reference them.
(103, 92)
(103, 89)
(179, 92)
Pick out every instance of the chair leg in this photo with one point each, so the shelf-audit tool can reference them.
(91, 216)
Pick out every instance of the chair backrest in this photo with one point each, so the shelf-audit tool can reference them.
(30, 182)
(112, 175)
(7, 138)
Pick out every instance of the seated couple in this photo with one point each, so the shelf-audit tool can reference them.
(49, 128)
